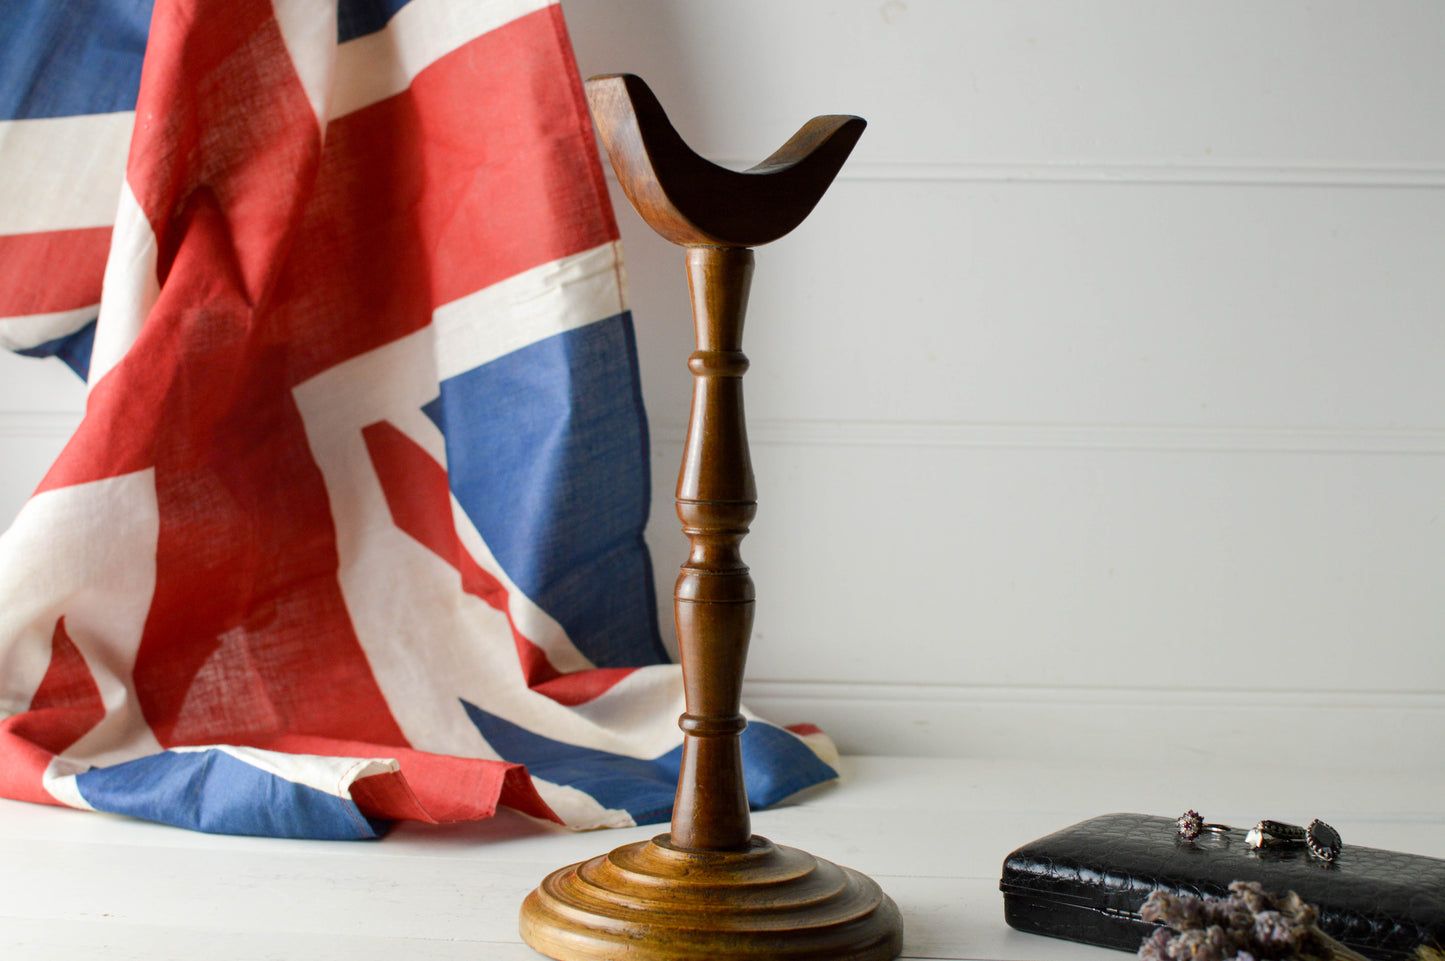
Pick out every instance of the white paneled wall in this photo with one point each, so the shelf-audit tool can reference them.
(1098, 409)
(40, 404)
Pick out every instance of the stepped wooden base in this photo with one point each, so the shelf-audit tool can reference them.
(652, 902)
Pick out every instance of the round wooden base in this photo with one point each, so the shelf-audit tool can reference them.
(650, 901)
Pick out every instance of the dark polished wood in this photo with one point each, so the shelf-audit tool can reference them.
(711, 889)
(713, 600)
(692, 201)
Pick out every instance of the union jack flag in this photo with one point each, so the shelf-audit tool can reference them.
(351, 530)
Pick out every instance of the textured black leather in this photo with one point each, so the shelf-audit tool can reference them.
(1087, 882)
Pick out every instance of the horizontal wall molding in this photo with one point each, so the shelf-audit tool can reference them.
(47, 424)
(1290, 728)
(795, 433)
(1184, 174)
(857, 692)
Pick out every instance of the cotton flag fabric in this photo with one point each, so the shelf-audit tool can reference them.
(351, 530)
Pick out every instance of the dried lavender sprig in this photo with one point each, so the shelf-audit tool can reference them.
(1248, 925)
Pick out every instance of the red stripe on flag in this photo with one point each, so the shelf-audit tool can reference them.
(223, 126)
(122, 426)
(464, 180)
(537, 193)
(25, 762)
(248, 633)
(432, 787)
(68, 694)
(65, 706)
(579, 687)
(51, 271)
(419, 498)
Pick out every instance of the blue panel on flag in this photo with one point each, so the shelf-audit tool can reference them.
(776, 765)
(76, 57)
(644, 789)
(357, 18)
(558, 483)
(74, 349)
(214, 792)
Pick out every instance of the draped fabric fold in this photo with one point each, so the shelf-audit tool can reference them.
(351, 530)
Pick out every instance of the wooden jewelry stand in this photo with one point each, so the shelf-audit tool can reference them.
(710, 889)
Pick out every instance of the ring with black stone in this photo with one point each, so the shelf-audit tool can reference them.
(1323, 840)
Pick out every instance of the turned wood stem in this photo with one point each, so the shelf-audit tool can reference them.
(710, 889)
(716, 501)
(718, 215)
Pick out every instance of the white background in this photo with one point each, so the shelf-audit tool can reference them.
(1097, 411)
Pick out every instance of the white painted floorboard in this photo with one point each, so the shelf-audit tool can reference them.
(933, 832)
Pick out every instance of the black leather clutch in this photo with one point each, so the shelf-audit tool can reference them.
(1087, 882)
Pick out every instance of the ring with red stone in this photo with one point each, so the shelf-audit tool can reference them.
(1191, 825)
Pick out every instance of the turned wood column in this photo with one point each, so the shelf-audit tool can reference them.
(711, 889)
(716, 501)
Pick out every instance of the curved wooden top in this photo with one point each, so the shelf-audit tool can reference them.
(694, 202)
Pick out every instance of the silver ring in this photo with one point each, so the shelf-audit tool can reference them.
(1191, 825)
(1322, 840)
(1274, 832)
